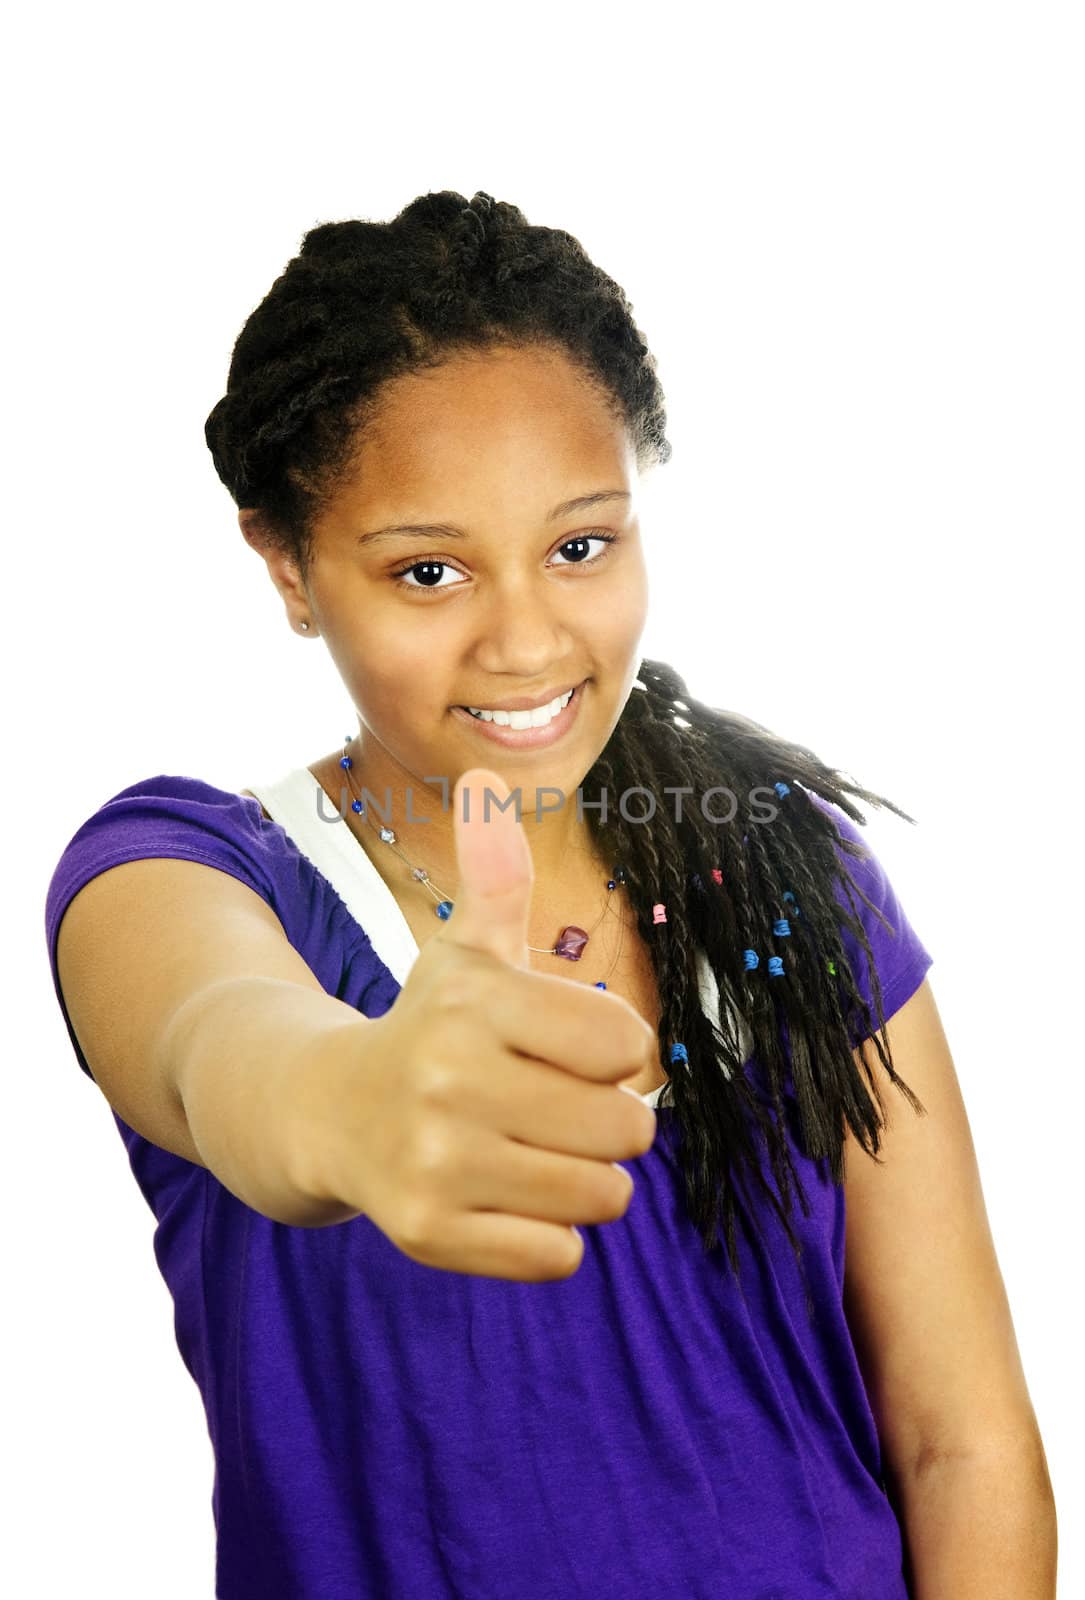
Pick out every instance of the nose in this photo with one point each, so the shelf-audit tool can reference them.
(522, 633)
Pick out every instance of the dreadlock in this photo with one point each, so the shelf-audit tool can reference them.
(364, 302)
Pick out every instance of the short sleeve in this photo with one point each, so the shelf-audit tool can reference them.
(181, 818)
(900, 957)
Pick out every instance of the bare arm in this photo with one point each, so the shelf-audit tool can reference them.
(203, 1043)
(244, 1054)
(933, 1332)
(435, 1120)
(980, 1526)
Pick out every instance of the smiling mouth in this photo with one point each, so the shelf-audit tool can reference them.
(538, 718)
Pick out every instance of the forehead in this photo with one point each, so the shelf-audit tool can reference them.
(499, 421)
(532, 385)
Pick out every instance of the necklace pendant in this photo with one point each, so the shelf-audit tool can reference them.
(444, 910)
(571, 942)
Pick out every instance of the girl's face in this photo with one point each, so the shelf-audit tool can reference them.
(508, 591)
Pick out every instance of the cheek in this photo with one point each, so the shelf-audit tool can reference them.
(624, 617)
(399, 687)
(391, 659)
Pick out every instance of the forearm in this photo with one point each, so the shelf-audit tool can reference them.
(246, 1057)
(980, 1527)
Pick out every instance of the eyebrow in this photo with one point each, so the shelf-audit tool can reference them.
(428, 530)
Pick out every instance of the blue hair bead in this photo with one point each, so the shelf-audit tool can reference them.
(356, 805)
(781, 789)
(782, 929)
(776, 967)
(752, 959)
(678, 1053)
(345, 762)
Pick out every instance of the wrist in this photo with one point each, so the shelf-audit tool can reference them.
(320, 1116)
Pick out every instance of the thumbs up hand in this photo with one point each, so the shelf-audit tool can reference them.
(482, 1116)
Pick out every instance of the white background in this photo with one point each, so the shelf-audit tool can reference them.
(852, 235)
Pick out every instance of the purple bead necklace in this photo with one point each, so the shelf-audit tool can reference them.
(571, 940)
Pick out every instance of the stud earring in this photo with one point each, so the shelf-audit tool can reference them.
(304, 625)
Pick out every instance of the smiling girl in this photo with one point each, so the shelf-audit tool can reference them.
(508, 1082)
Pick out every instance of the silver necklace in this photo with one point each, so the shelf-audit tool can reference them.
(571, 941)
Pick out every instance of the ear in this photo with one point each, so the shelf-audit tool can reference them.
(282, 569)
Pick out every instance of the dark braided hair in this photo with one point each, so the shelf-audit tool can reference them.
(364, 302)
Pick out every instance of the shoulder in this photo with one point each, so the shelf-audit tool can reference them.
(872, 904)
(168, 805)
(168, 815)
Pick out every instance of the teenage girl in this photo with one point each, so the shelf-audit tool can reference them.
(513, 1083)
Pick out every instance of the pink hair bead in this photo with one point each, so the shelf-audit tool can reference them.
(717, 874)
(659, 913)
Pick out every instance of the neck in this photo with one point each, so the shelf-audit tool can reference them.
(563, 851)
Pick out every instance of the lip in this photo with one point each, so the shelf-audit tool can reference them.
(526, 738)
(524, 704)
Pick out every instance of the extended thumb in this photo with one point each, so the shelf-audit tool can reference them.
(496, 875)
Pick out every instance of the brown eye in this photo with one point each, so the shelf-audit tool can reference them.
(429, 571)
(582, 540)
(426, 567)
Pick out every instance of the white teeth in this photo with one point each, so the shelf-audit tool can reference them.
(523, 719)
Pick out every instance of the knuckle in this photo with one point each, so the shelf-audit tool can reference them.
(570, 1256)
(642, 1131)
(431, 1154)
(416, 1229)
(438, 1083)
(615, 1193)
(648, 1130)
(640, 1122)
(461, 990)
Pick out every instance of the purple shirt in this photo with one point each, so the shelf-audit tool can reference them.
(389, 1430)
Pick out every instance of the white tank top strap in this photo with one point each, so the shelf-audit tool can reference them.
(297, 802)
